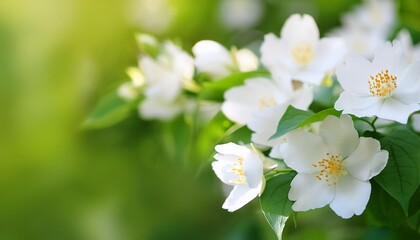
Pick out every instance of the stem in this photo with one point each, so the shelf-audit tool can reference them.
(373, 123)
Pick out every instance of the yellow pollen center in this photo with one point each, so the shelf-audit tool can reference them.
(238, 169)
(303, 53)
(267, 102)
(331, 167)
(382, 84)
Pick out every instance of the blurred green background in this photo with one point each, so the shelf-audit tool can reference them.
(60, 181)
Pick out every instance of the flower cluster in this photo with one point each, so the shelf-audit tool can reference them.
(330, 151)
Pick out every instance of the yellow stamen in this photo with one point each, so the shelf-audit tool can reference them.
(303, 53)
(382, 84)
(331, 167)
(238, 169)
(267, 102)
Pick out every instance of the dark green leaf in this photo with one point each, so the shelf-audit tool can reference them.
(382, 209)
(109, 111)
(275, 203)
(401, 176)
(291, 120)
(214, 90)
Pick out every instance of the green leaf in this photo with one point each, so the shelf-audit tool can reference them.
(383, 209)
(291, 119)
(214, 90)
(401, 176)
(110, 110)
(275, 203)
(319, 116)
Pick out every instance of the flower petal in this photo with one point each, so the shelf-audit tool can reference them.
(408, 88)
(390, 57)
(392, 109)
(223, 171)
(302, 150)
(253, 170)
(351, 197)
(246, 60)
(329, 52)
(309, 192)
(271, 50)
(232, 149)
(367, 161)
(361, 106)
(300, 28)
(212, 58)
(354, 75)
(239, 196)
(339, 134)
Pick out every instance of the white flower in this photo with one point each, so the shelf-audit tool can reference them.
(214, 59)
(300, 52)
(360, 41)
(373, 15)
(131, 90)
(165, 77)
(260, 93)
(412, 51)
(240, 167)
(333, 167)
(387, 87)
(264, 122)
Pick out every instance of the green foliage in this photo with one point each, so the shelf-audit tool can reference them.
(401, 176)
(110, 110)
(275, 203)
(214, 90)
(291, 119)
(295, 118)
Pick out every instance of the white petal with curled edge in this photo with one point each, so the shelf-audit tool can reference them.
(367, 161)
(390, 57)
(239, 196)
(232, 149)
(339, 134)
(351, 197)
(309, 192)
(271, 48)
(302, 150)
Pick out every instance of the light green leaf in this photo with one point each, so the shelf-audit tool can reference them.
(401, 176)
(110, 110)
(291, 119)
(275, 203)
(214, 90)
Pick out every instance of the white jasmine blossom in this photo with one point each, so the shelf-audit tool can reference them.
(359, 41)
(214, 59)
(260, 93)
(240, 167)
(300, 52)
(165, 77)
(387, 87)
(333, 167)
